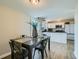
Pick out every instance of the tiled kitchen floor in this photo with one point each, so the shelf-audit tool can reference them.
(58, 51)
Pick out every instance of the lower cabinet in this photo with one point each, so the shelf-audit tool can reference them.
(70, 36)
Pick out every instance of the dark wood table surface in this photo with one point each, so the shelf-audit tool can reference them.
(30, 43)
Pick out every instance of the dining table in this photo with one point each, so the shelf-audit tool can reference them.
(29, 43)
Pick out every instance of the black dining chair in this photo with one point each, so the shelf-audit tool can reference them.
(42, 48)
(17, 51)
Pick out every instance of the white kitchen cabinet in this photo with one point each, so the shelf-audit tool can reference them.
(72, 28)
(70, 36)
(69, 29)
(60, 37)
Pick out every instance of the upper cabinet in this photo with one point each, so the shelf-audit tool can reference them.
(69, 28)
(55, 25)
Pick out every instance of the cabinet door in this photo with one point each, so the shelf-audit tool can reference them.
(70, 36)
(67, 28)
(72, 28)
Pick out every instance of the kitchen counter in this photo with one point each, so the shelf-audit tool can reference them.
(60, 37)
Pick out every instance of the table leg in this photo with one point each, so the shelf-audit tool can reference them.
(42, 54)
(12, 55)
(30, 53)
(49, 44)
(12, 50)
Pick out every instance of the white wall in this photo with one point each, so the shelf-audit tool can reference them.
(76, 35)
(12, 24)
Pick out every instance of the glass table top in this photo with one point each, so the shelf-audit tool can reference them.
(30, 40)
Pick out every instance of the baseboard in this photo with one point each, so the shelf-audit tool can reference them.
(5, 55)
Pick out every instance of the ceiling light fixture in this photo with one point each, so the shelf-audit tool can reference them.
(35, 2)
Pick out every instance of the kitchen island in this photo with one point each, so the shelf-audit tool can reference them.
(60, 37)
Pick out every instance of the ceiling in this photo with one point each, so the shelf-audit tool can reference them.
(46, 8)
